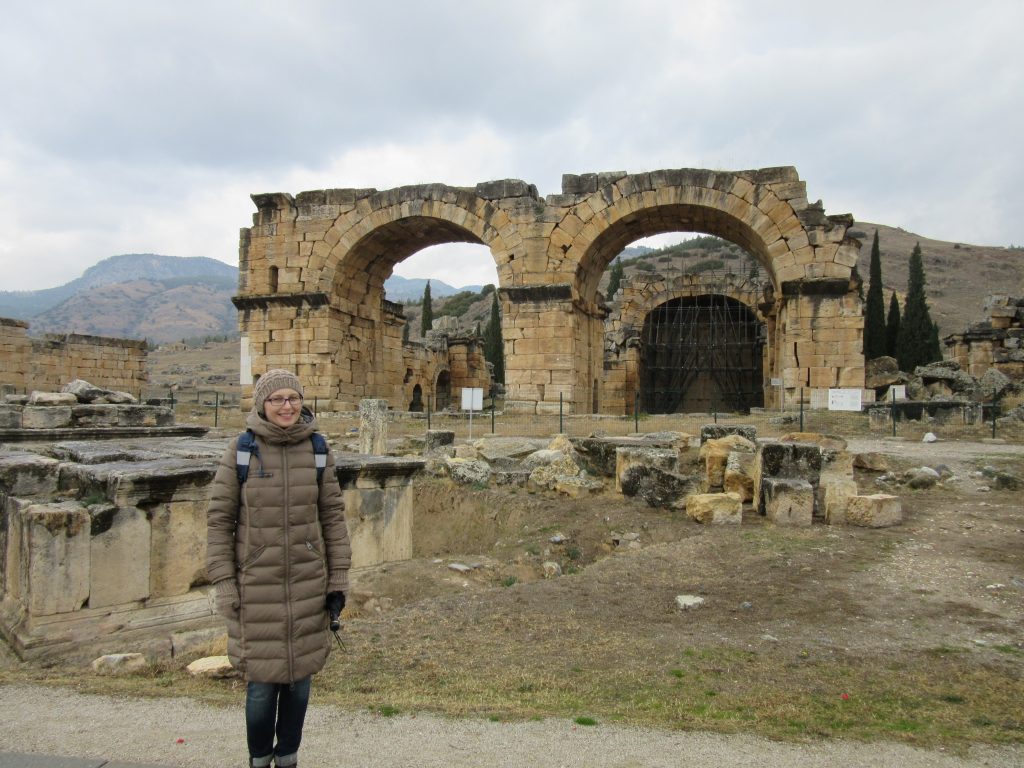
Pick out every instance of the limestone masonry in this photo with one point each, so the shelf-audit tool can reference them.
(47, 363)
(313, 266)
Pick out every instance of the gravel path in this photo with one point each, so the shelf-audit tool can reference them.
(61, 722)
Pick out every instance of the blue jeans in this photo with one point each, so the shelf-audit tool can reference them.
(275, 709)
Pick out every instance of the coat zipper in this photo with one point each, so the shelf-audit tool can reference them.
(287, 563)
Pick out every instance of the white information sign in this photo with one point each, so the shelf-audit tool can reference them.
(844, 400)
(898, 391)
(472, 399)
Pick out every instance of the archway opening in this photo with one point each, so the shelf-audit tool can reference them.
(701, 354)
(443, 391)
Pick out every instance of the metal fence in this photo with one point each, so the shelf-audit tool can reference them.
(911, 420)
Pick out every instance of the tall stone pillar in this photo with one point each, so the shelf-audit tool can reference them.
(539, 330)
(373, 426)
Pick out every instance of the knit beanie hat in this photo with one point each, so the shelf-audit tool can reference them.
(270, 382)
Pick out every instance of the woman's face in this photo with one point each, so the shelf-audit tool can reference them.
(283, 407)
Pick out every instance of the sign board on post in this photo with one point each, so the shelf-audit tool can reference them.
(472, 400)
(844, 400)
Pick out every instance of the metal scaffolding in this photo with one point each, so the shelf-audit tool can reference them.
(701, 354)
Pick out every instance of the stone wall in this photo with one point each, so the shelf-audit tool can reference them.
(48, 363)
(997, 342)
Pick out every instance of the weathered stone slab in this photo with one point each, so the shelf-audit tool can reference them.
(121, 542)
(55, 548)
(178, 547)
(715, 508)
(46, 417)
(875, 511)
(51, 399)
(788, 501)
(10, 417)
(718, 431)
(28, 474)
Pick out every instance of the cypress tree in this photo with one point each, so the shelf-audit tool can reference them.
(614, 279)
(494, 345)
(427, 320)
(405, 333)
(915, 345)
(874, 311)
(892, 326)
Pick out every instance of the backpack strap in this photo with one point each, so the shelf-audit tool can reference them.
(244, 451)
(320, 450)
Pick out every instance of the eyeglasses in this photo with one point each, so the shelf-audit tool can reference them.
(277, 401)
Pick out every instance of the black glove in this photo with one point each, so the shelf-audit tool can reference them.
(335, 603)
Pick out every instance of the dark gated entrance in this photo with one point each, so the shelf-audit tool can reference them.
(701, 354)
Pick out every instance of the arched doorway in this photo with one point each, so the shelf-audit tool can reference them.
(699, 354)
(443, 391)
(416, 404)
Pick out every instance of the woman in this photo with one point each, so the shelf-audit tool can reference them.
(278, 556)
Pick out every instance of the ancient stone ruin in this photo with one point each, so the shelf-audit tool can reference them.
(313, 266)
(103, 524)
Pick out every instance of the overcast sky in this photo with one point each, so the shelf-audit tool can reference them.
(143, 127)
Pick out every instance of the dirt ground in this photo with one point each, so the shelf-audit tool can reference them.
(952, 574)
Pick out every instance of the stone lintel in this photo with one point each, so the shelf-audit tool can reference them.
(351, 467)
(313, 299)
(825, 286)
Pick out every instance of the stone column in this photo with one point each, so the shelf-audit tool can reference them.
(373, 426)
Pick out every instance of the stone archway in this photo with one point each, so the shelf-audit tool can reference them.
(331, 250)
(692, 342)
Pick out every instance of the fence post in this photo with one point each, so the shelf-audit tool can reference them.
(216, 407)
(892, 410)
(428, 413)
(994, 408)
(714, 407)
(492, 414)
(636, 412)
(560, 429)
(801, 409)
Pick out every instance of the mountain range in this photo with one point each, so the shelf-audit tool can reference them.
(170, 298)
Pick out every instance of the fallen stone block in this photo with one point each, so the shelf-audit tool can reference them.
(626, 458)
(878, 510)
(715, 508)
(715, 455)
(788, 501)
(212, 666)
(119, 663)
(837, 494)
(658, 487)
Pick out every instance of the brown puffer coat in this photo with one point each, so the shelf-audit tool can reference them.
(284, 539)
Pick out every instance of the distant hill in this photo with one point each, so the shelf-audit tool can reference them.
(401, 289)
(135, 295)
